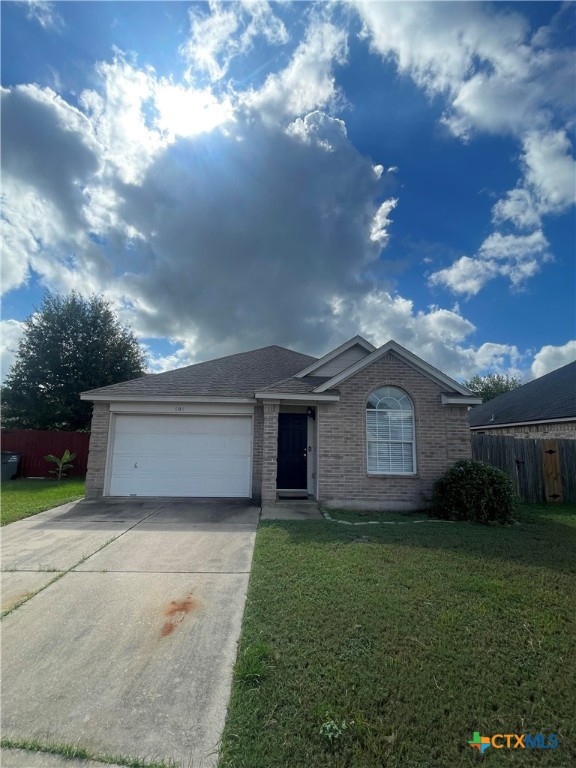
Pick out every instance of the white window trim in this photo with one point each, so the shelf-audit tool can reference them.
(373, 473)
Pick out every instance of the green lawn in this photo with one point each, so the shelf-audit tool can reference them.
(391, 645)
(22, 498)
(379, 517)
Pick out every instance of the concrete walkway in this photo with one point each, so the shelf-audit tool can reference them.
(129, 652)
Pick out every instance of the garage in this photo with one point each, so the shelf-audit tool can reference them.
(181, 455)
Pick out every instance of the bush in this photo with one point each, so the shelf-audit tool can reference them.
(472, 490)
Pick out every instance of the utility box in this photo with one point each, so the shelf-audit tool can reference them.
(10, 462)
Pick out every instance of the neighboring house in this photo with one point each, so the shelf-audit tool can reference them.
(543, 408)
(359, 427)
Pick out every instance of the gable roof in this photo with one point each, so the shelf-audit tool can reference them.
(236, 376)
(547, 398)
(413, 360)
(354, 341)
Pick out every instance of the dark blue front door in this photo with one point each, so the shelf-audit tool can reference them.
(292, 441)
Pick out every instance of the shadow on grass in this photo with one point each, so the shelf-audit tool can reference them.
(542, 537)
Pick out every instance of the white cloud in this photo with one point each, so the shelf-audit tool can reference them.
(440, 336)
(128, 139)
(519, 207)
(237, 221)
(494, 79)
(550, 170)
(49, 155)
(226, 31)
(548, 185)
(44, 13)
(308, 82)
(517, 257)
(551, 357)
(10, 334)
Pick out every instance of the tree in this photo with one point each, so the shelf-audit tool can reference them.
(70, 345)
(489, 387)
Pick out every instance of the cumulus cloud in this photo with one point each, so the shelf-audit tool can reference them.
(517, 257)
(49, 156)
(269, 231)
(494, 78)
(548, 185)
(10, 334)
(438, 335)
(308, 82)
(551, 357)
(226, 220)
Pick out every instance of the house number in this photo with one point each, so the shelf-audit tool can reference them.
(179, 408)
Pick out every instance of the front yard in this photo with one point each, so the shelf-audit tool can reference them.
(391, 645)
(22, 498)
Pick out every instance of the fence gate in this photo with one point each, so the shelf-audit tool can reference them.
(551, 470)
(541, 470)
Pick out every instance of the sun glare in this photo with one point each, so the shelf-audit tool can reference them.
(187, 112)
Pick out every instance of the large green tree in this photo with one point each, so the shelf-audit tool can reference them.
(494, 384)
(71, 344)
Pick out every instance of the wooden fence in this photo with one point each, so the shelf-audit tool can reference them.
(34, 444)
(541, 470)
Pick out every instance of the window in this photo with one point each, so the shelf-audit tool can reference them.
(390, 432)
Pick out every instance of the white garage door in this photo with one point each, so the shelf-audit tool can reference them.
(181, 456)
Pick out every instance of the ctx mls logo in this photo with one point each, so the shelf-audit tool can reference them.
(514, 741)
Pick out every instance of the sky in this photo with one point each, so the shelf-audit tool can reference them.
(233, 175)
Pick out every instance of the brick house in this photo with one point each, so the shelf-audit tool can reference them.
(359, 427)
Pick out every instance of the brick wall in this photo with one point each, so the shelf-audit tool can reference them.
(97, 451)
(258, 441)
(270, 451)
(560, 430)
(442, 436)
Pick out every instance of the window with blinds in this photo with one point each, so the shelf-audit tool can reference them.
(390, 432)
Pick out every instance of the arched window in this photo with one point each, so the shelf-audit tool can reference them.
(390, 432)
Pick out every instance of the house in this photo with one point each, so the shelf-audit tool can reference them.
(361, 427)
(543, 408)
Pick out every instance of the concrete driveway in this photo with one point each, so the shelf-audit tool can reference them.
(129, 652)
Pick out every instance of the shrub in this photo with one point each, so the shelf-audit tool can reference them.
(472, 490)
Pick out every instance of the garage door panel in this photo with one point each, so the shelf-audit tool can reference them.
(187, 487)
(181, 456)
(176, 445)
(183, 425)
(176, 466)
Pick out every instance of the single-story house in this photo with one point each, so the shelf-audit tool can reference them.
(543, 408)
(358, 427)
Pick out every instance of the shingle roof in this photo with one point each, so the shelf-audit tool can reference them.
(552, 396)
(298, 386)
(237, 375)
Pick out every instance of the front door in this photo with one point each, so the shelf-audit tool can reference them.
(292, 442)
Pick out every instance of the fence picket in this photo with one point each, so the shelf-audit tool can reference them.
(521, 459)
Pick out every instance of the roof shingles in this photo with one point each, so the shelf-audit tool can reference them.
(552, 396)
(237, 375)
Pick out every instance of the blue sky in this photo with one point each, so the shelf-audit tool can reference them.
(232, 175)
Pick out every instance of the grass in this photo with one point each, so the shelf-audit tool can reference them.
(23, 498)
(71, 751)
(391, 645)
(352, 516)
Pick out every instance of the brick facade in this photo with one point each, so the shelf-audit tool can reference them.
(98, 448)
(270, 451)
(257, 448)
(442, 437)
